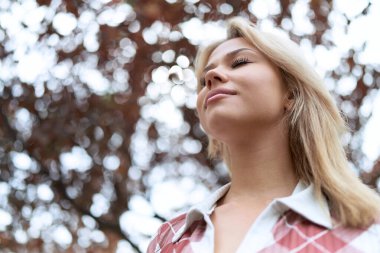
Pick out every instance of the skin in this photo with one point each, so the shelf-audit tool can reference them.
(252, 124)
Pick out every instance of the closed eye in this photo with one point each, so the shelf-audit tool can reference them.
(239, 61)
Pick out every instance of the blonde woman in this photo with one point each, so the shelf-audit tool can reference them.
(268, 115)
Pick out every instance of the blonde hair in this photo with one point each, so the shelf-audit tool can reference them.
(315, 127)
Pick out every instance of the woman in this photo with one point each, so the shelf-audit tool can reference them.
(277, 128)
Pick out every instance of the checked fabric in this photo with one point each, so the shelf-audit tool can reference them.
(298, 223)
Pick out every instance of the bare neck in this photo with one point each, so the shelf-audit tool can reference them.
(261, 167)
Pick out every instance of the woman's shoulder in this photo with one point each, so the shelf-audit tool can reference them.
(366, 239)
(374, 228)
(172, 226)
(166, 232)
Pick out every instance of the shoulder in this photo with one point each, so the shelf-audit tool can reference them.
(294, 231)
(366, 240)
(373, 231)
(166, 232)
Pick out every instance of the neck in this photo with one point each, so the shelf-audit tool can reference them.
(261, 167)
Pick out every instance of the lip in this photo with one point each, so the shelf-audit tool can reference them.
(218, 93)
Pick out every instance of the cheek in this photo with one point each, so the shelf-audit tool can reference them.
(200, 110)
(268, 85)
(200, 99)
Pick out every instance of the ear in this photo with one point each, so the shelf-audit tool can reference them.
(289, 101)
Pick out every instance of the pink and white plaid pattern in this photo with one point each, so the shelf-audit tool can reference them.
(163, 240)
(302, 227)
(293, 233)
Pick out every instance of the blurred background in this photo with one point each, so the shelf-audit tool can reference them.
(99, 142)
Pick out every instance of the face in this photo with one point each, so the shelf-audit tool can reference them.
(241, 91)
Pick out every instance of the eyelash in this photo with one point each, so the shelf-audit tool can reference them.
(239, 61)
(235, 63)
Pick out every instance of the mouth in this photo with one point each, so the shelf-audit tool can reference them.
(218, 93)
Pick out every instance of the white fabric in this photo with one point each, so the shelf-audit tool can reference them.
(259, 236)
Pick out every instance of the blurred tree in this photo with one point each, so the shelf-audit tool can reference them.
(99, 142)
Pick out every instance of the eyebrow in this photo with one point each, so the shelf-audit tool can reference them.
(229, 54)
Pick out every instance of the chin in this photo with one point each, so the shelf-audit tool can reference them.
(220, 130)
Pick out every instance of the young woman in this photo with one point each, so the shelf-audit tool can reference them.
(268, 115)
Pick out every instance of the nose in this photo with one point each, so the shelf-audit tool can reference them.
(214, 77)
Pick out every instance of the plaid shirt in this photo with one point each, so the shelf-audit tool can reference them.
(297, 223)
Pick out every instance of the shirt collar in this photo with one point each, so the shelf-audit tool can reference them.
(305, 202)
(302, 201)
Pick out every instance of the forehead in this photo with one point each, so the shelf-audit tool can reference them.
(228, 46)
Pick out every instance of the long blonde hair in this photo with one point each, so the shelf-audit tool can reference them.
(315, 127)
